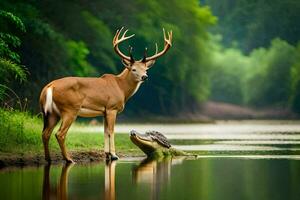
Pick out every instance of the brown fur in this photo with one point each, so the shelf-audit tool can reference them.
(105, 95)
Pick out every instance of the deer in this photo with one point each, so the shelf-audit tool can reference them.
(67, 98)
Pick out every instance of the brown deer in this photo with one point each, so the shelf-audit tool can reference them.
(106, 96)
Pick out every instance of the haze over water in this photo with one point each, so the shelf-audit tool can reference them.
(226, 137)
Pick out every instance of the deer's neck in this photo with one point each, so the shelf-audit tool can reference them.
(128, 84)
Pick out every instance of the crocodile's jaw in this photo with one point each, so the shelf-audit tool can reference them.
(146, 144)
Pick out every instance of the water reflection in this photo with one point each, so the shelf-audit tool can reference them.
(61, 191)
(110, 189)
(205, 178)
(152, 171)
(155, 172)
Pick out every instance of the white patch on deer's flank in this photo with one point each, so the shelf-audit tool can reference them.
(49, 103)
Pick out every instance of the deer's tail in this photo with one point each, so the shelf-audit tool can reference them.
(46, 103)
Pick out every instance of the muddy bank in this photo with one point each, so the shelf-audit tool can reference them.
(18, 160)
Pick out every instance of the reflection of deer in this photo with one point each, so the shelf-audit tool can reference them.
(110, 180)
(61, 191)
(106, 96)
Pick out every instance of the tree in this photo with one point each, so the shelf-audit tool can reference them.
(10, 67)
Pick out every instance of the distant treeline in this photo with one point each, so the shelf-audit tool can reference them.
(266, 77)
(210, 59)
(256, 52)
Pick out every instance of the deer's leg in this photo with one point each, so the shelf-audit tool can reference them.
(110, 119)
(49, 123)
(67, 120)
(106, 139)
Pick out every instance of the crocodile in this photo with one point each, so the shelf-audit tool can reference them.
(155, 144)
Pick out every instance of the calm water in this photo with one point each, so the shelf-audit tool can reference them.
(203, 178)
(243, 160)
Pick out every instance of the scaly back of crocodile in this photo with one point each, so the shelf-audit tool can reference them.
(159, 138)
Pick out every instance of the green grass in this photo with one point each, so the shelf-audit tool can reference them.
(21, 133)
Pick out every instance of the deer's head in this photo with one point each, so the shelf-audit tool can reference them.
(138, 68)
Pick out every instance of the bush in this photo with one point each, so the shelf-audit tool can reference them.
(18, 130)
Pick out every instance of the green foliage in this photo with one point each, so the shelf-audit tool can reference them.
(99, 40)
(77, 51)
(8, 16)
(10, 70)
(263, 78)
(18, 129)
(8, 41)
(270, 74)
(49, 54)
(269, 83)
(254, 24)
(295, 82)
(228, 74)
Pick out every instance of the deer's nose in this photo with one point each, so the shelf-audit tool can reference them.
(145, 77)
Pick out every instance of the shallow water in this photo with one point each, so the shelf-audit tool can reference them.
(203, 178)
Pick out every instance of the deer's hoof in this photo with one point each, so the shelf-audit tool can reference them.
(114, 157)
(110, 156)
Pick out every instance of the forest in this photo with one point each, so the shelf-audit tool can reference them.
(241, 52)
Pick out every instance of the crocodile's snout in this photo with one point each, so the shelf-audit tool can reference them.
(154, 143)
(133, 133)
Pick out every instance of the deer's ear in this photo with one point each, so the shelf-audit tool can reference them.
(150, 63)
(127, 63)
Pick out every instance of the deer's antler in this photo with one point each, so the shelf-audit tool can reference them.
(117, 41)
(167, 45)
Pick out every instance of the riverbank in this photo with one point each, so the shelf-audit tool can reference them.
(83, 147)
(79, 156)
(21, 142)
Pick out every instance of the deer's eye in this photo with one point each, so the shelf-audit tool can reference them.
(133, 70)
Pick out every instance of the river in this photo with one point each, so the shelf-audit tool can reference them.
(245, 160)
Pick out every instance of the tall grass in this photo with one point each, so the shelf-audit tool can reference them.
(21, 133)
(19, 130)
